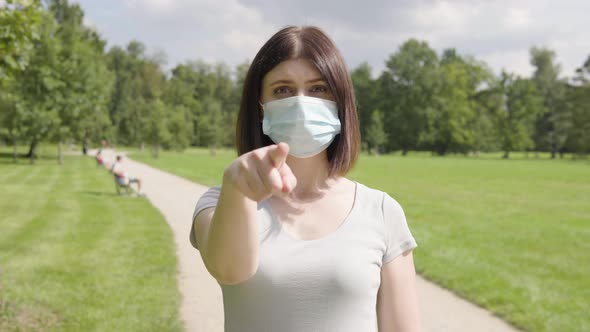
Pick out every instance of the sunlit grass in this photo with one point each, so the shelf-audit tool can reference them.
(511, 235)
(76, 257)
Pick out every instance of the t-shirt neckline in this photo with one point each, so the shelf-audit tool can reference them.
(286, 234)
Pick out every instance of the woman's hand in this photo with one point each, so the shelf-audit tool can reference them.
(261, 173)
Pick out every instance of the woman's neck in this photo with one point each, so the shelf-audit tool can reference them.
(312, 176)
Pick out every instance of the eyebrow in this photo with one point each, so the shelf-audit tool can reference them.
(319, 79)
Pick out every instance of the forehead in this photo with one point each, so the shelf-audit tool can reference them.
(292, 69)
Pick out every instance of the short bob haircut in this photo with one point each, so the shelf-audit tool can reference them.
(312, 44)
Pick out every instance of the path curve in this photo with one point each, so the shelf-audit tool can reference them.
(202, 306)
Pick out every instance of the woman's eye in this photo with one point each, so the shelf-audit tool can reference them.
(281, 90)
(319, 89)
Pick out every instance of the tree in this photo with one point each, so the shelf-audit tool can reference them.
(376, 135)
(139, 81)
(452, 123)
(516, 115)
(38, 87)
(180, 91)
(19, 24)
(366, 92)
(157, 131)
(180, 127)
(578, 96)
(552, 126)
(11, 120)
(82, 70)
(409, 86)
(211, 131)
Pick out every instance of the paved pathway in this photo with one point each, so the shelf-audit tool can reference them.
(202, 306)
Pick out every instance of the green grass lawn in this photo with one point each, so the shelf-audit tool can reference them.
(198, 165)
(76, 257)
(510, 235)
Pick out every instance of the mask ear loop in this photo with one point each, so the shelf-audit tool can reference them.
(260, 111)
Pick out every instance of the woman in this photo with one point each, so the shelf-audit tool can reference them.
(295, 245)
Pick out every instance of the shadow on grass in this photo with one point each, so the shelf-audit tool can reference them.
(99, 193)
(22, 159)
(108, 194)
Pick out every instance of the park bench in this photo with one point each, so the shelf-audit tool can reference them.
(121, 187)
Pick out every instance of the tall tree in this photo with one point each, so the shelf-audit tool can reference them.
(157, 131)
(516, 115)
(39, 87)
(552, 126)
(82, 70)
(409, 84)
(366, 92)
(452, 124)
(376, 135)
(19, 31)
(139, 81)
(19, 28)
(578, 96)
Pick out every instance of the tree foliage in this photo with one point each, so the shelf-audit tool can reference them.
(59, 83)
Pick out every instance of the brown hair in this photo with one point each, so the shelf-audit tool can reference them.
(312, 44)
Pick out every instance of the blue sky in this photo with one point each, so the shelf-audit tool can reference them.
(231, 31)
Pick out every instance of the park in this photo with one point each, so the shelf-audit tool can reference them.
(491, 169)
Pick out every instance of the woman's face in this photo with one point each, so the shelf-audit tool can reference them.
(294, 77)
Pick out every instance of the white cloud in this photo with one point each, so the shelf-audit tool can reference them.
(89, 22)
(518, 18)
(222, 30)
(230, 31)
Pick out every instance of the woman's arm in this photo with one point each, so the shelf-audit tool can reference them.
(397, 300)
(228, 238)
(228, 234)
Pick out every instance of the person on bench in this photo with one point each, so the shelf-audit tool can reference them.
(102, 160)
(122, 178)
(99, 158)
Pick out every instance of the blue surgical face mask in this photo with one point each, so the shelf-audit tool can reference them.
(307, 124)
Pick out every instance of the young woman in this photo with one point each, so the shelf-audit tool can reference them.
(295, 245)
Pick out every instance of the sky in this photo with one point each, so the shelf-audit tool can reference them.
(499, 33)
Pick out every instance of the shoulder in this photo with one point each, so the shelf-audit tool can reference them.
(382, 204)
(207, 200)
(377, 197)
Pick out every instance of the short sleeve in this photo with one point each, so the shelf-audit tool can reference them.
(399, 239)
(207, 200)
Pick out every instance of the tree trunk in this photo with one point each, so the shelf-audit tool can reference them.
(14, 151)
(32, 149)
(60, 159)
(404, 151)
(33, 152)
(505, 156)
(553, 150)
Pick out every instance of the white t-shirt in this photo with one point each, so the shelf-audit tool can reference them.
(122, 178)
(327, 284)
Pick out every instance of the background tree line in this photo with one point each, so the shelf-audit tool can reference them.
(60, 84)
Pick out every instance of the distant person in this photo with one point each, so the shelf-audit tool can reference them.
(121, 176)
(295, 245)
(99, 158)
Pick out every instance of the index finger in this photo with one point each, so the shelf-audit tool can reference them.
(278, 154)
